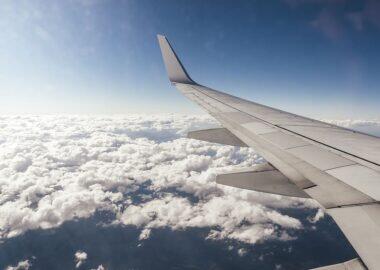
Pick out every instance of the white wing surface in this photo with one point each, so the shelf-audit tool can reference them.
(338, 167)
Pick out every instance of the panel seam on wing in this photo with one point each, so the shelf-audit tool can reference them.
(280, 127)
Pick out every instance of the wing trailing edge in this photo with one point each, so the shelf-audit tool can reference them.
(354, 264)
(216, 135)
(262, 178)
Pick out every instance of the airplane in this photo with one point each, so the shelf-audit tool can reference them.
(306, 158)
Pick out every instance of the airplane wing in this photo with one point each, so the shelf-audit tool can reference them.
(338, 167)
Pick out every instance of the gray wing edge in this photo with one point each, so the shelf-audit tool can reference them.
(354, 264)
(174, 67)
(216, 135)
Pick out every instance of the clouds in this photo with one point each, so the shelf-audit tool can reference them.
(59, 168)
(100, 267)
(328, 24)
(80, 258)
(367, 126)
(351, 123)
(22, 265)
(335, 18)
(319, 215)
(235, 218)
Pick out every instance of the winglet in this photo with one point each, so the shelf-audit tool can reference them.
(174, 67)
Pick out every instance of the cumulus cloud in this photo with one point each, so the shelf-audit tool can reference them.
(80, 258)
(22, 265)
(141, 168)
(235, 218)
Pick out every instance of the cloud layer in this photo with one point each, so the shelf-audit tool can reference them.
(59, 168)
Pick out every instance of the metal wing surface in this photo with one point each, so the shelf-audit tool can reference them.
(338, 167)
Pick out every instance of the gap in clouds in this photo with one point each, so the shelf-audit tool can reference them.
(128, 190)
(118, 247)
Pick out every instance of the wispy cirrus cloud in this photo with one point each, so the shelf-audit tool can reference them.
(335, 18)
(328, 23)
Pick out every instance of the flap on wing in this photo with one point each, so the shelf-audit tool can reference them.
(354, 264)
(263, 179)
(216, 135)
(361, 225)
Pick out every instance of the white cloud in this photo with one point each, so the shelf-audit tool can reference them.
(242, 252)
(318, 216)
(22, 265)
(349, 123)
(145, 234)
(367, 126)
(59, 168)
(21, 163)
(80, 258)
(100, 267)
(236, 218)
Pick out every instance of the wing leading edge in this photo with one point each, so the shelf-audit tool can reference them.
(337, 167)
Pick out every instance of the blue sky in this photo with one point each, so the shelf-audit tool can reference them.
(319, 58)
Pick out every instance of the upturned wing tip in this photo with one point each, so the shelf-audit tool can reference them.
(174, 67)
